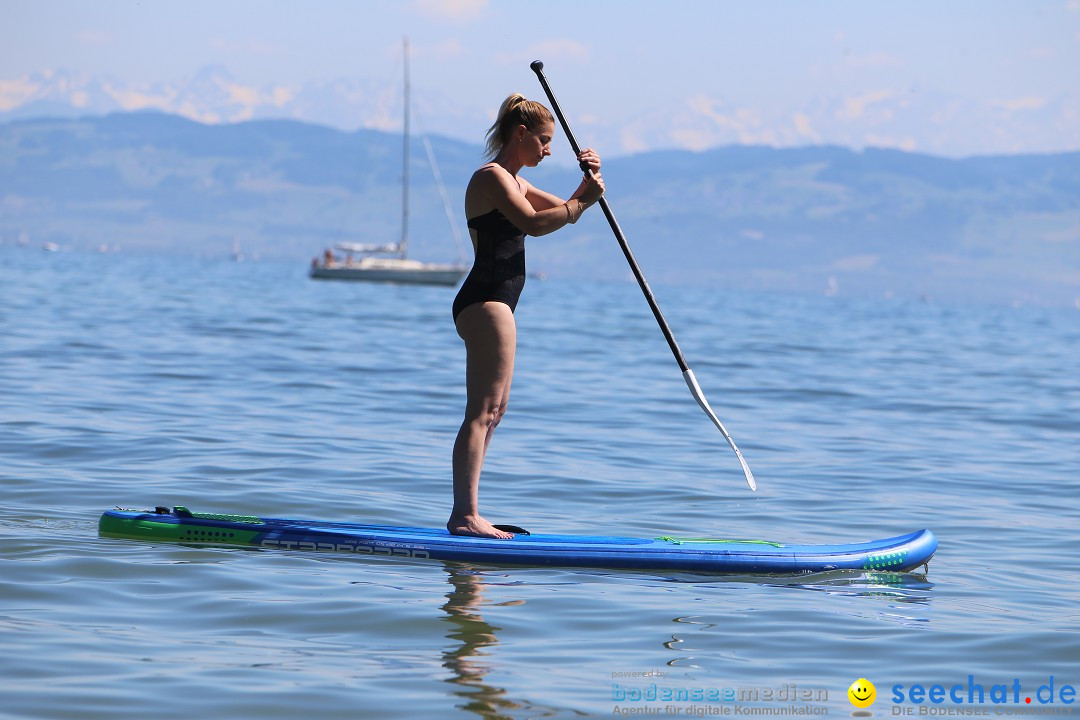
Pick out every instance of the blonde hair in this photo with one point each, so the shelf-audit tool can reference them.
(515, 110)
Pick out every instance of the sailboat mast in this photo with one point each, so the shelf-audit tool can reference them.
(403, 246)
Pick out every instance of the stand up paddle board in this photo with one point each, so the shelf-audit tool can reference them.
(905, 552)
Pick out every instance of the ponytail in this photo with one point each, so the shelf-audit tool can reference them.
(515, 110)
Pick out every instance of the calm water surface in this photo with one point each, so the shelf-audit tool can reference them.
(248, 388)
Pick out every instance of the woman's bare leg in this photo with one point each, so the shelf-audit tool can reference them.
(490, 337)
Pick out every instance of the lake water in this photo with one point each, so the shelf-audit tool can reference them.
(248, 388)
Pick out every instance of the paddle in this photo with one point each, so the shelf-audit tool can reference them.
(688, 374)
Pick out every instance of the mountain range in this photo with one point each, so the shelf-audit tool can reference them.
(810, 219)
(906, 117)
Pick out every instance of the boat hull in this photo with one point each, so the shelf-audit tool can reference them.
(447, 275)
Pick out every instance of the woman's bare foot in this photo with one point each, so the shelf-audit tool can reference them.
(475, 526)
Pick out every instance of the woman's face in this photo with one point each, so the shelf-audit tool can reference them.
(535, 145)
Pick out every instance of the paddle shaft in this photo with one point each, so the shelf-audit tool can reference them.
(688, 374)
(538, 68)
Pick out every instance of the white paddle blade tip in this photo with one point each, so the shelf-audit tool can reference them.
(695, 390)
(746, 471)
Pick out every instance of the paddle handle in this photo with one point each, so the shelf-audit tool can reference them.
(688, 375)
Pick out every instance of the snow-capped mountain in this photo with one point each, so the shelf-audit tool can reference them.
(910, 119)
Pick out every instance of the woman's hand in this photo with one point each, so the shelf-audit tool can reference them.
(594, 188)
(588, 158)
(593, 184)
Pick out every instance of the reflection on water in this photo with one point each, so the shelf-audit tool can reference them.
(910, 587)
(902, 598)
(466, 662)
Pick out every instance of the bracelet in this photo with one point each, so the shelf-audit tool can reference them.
(584, 206)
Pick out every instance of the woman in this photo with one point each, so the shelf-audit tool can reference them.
(502, 209)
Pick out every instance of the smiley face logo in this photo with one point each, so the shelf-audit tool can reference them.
(862, 693)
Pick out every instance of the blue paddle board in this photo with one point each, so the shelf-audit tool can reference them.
(719, 555)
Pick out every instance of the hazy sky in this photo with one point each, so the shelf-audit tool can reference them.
(944, 76)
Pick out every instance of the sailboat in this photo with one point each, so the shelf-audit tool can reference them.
(394, 265)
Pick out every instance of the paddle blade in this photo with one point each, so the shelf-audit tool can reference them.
(695, 390)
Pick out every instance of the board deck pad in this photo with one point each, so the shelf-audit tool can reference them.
(696, 554)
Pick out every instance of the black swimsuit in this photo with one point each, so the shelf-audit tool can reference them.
(498, 273)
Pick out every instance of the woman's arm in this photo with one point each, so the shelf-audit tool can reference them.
(535, 212)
